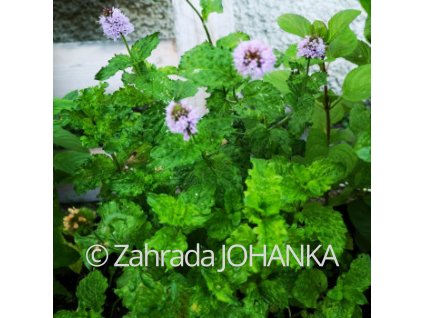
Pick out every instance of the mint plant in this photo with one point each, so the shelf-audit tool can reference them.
(273, 157)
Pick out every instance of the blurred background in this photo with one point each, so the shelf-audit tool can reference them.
(80, 49)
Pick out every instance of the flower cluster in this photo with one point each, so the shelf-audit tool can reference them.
(312, 47)
(254, 58)
(182, 118)
(77, 218)
(72, 220)
(115, 23)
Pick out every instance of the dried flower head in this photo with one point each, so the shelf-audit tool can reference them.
(254, 58)
(312, 47)
(77, 218)
(182, 118)
(115, 23)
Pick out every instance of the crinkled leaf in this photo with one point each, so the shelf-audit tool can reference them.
(91, 292)
(210, 6)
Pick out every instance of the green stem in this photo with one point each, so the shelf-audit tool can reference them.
(115, 160)
(126, 44)
(202, 21)
(326, 104)
(129, 52)
(308, 66)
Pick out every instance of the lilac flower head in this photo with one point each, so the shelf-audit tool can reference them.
(312, 47)
(254, 58)
(182, 118)
(115, 23)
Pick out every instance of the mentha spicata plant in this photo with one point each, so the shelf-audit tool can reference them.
(276, 157)
(254, 58)
(115, 24)
(182, 118)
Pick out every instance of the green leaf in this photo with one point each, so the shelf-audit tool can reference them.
(218, 285)
(182, 211)
(362, 146)
(232, 40)
(344, 155)
(319, 29)
(209, 6)
(63, 254)
(139, 291)
(295, 24)
(152, 83)
(359, 119)
(184, 89)
(122, 222)
(271, 231)
(67, 140)
(316, 146)
(279, 80)
(91, 292)
(326, 225)
(343, 45)
(368, 29)
(357, 84)
(352, 284)
(264, 190)
(69, 161)
(308, 287)
(168, 238)
(361, 54)
(60, 104)
(367, 5)
(142, 49)
(340, 22)
(117, 63)
(275, 293)
(209, 66)
(261, 100)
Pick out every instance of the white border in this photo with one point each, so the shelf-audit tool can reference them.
(397, 194)
(26, 159)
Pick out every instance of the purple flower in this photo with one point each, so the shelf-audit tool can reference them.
(115, 23)
(254, 58)
(312, 47)
(182, 118)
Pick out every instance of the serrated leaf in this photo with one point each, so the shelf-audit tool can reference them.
(351, 285)
(142, 48)
(263, 188)
(261, 100)
(326, 225)
(279, 80)
(232, 40)
(294, 24)
(122, 222)
(309, 285)
(181, 211)
(271, 231)
(91, 292)
(210, 6)
(117, 63)
(209, 66)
